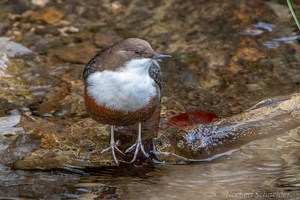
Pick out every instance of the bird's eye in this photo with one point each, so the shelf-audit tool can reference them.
(137, 52)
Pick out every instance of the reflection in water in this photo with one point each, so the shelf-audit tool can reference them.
(274, 43)
(263, 169)
(266, 26)
(260, 170)
(255, 31)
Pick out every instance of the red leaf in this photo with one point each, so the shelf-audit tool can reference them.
(192, 117)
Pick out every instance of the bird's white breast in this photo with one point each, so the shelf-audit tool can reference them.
(126, 90)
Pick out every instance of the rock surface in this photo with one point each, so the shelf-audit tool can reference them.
(80, 148)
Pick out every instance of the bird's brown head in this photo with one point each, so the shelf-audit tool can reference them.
(133, 48)
(130, 49)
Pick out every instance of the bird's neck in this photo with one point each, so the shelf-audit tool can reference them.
(138, 66)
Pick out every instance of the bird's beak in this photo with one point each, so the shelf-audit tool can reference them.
(160, 56)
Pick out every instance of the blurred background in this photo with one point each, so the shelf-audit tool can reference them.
(227, 56)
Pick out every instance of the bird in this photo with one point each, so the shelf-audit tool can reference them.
(122, 86)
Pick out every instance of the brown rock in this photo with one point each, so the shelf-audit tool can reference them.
(48, 139)
(106, 39)
(52, 16)
(244, 54)
(48, 15)
(76, 53)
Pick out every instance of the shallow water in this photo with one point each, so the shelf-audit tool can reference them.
(226, 57)
(264, 169)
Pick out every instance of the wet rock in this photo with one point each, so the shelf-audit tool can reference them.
(48, 140)
(11, 48)
(106, 38)
(101, 191)
(7, 123)
(244, 55)
(38, 43)
(49, 15)
(40, 3)
(79, 148)
(5, 24)
(3, 65)
(75, 53)
(86, 138)
(269, 117)
(5, 106)
(73, 105)
(80, 144)
(66, 30)
(38, 185)
(19, 148)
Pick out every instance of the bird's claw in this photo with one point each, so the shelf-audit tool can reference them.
(137, 146)
(113, 147)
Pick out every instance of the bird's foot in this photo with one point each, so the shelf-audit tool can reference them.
(137, 146)
(113, 147)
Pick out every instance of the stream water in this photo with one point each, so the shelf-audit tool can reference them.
(261, 170)
(227, 56)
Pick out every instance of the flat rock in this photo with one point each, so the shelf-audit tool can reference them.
(75, 53)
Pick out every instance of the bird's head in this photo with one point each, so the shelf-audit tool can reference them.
(135, 54)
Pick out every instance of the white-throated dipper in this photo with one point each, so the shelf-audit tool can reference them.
(123, 87)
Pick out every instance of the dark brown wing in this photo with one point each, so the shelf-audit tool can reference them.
(93, 65)
(154, 72)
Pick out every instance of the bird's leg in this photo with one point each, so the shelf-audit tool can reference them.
(138, 145)
(113, 145)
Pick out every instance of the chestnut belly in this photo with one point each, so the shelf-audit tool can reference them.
(109, 116)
